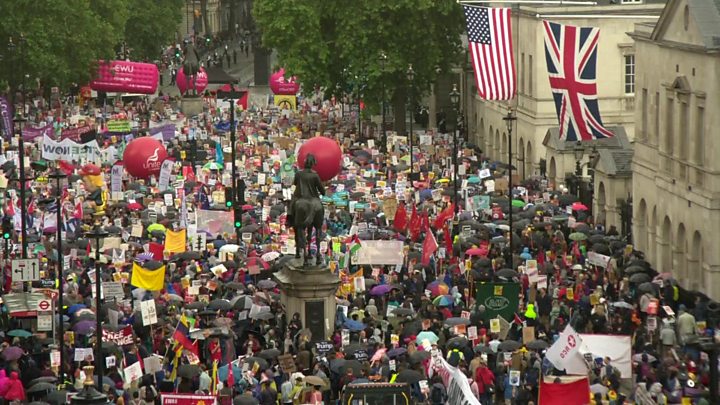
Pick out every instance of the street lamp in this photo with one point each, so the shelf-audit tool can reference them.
(509, 119)
(455, 100)
(98, 234)
(21, 145)
(411, 79)
(383, 61)
(58, 176)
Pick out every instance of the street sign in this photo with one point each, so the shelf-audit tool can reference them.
(25, 270)
(45, 322)
(44, 305)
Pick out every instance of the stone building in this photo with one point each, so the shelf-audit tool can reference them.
(533, 153)
(676, 166)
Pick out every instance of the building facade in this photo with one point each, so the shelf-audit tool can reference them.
(676, 170)
(534, 107)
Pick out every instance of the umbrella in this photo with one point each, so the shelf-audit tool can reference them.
(518, 203)
(475, 252)
(537, 344)
(403, 311)
(635, 269)
(84, 327)
(578, 206)
(426, 335)
(249, 228)
(481, 348)
(315, 381)
(419, 356)
(398, 351)
(509, 346)
(506, 273)
(622, 304)
(409, 376)
(451, 322)
(256, 261)
(437, 287)
(266, 284)
(262, 363)
(219, 304)
(41, 386)
(12, 353)
(443, 301)
(49, 379)
(457, 342)
(577, 236)
(21, 333)
(189, 370)
(354, 326)
(351, 364)
(197, 305)
(269, 354)
(640, 278)
(175, 297)
(270, 256)
(381, 289)
(639, 357)
(213, 166)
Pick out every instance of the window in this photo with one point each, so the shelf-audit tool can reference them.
(699, 157)
(669, 123)
(629, 74)
(656, 116)
(683, 144)
(522, 73)
(530, 74)
(644, 112)
(630, 1)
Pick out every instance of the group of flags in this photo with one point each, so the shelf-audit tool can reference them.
(571, 56)
(420, 223)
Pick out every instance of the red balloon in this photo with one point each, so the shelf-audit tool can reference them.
(280, 85)
(327, 155)
(201, 81)
(143, 157)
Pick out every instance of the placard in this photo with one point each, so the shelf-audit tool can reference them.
(287, 363)
(528, 334)
(83, 353)
(472, 332)
(495, 325)
(133, 372)
(149, 314)
(55, 358)
(109, 361)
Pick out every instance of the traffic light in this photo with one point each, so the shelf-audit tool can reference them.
(207, 40)
(238, 218)
(229, 197)
(6, 228)
(177, 53)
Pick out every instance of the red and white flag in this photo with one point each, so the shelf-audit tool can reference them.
(489, 35)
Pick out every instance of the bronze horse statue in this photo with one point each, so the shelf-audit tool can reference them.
(191, 67)
(306, 210)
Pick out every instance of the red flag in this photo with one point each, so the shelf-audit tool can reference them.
(400, 222)
(574, 393)
(66, 167)
(429, 247)
(415, 223)
(448, 241)
(157, 250)
(424, 222)
(444, 215)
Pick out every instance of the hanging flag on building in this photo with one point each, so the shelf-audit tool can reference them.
(490, 41)
(571, 55)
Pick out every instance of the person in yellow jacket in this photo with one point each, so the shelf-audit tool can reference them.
(95, 186)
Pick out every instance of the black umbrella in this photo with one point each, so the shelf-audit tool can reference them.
(639, 278)
(409, 376)
(647, 287)
(269, 354)
(350, 349)
(635, 269)
(249, 228)
(457, 342)
(419, 356)
(41, 386)
(509, 346)
(355, 365)
(219, 304)
(196, 305)
(402, 311)
(537, 345)
(189, 370)
(507, 273)
(262, 363)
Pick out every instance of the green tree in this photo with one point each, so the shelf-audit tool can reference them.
(337, 45)
(64, 39)
(152, 25)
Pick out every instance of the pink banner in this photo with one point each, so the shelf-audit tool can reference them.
(129, 77)
(187, 399)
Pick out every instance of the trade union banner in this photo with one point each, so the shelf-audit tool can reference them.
(69, 150)
(499, 299)
(121, 338)
(187, 399)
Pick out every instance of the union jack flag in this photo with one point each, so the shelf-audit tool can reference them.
(571, 54)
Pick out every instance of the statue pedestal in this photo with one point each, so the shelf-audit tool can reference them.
(191, 106)
(311, 293)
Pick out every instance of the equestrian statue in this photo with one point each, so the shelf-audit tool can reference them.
(306, 211)
(191, 67)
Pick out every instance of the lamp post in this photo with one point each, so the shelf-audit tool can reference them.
(238, 185)
(98, 234)
(58, 176)
(455, 100)
(383, 60)
(579, 152)
(411, 80)
(21, 145)
(509, 119)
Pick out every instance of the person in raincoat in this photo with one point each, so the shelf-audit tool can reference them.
(4, 383)
(15, 391)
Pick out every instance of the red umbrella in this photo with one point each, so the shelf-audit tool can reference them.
(257, 261)
(134, 206)
(476, 252)
(578, 206)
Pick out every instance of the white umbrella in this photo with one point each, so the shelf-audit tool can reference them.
(270, 256)
(230, 247)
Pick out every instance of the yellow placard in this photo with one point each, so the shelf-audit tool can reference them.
(285, 102)
(498, 290)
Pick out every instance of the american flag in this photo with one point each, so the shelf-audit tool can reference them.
(490, 41)
(571, 54)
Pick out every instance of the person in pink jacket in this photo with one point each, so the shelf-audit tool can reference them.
(16, 391)
(4, 383)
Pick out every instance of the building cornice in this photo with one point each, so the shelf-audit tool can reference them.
(664, 43)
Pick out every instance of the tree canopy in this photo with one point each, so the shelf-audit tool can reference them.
(337, 45)
(65, 38)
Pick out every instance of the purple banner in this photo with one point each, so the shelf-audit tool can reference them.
(6, 112)
(30, 133)
(74, 134)
(168, 131)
